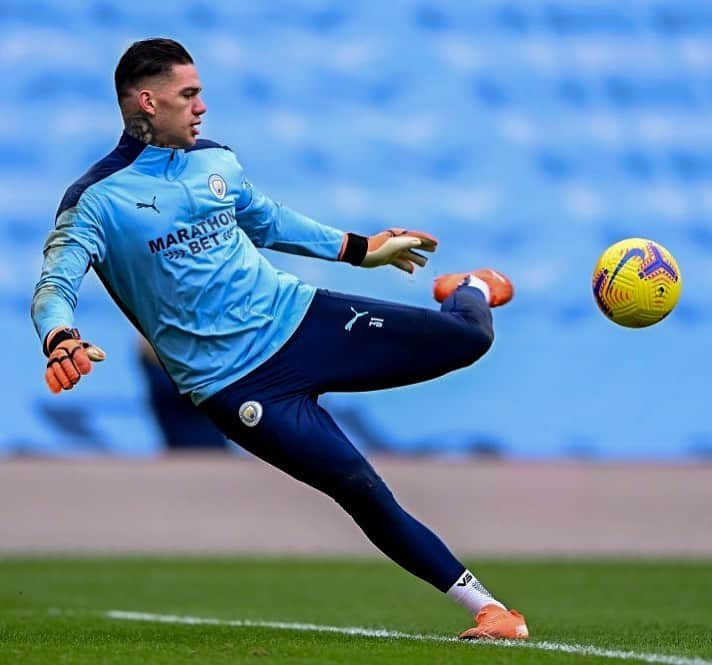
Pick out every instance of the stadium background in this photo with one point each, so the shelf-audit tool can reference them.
(526, 136)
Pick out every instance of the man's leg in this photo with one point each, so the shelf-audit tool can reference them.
(296, 435)
(362, 344)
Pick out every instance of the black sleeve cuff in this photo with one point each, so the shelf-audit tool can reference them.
(355, 250)
(59, 337)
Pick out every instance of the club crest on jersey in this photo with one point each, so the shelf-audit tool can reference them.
(250, 413)
(217, 185)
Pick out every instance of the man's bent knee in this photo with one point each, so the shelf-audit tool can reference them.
(471, 343)
(359, 489)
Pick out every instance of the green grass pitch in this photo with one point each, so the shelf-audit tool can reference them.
(54, 610)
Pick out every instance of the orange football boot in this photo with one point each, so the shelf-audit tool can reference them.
(496, 623)
(501, 288)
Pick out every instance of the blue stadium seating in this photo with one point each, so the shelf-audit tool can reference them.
(527, 136)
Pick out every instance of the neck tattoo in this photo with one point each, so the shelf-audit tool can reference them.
(141, 128)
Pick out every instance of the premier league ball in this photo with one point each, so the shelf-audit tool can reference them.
(636, 282)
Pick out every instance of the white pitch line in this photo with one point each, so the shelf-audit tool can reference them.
(576, 649)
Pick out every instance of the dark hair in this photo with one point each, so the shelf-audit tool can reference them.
(150, 57)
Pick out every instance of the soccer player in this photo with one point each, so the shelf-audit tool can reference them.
(171, 227)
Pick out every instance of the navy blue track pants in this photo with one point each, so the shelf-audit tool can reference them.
(348, 344)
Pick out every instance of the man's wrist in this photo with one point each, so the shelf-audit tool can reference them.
(56, 336)
(353, 249)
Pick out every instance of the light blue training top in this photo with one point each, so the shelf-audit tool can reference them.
(172, 234)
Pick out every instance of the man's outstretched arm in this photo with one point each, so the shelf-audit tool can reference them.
(275, 226)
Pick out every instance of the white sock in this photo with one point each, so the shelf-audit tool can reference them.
(477, 283)
(469, 592)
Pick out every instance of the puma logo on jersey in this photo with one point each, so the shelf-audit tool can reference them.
(152, 204)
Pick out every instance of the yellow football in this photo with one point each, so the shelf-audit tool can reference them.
(636, 282)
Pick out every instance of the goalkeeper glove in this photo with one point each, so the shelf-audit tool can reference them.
(68, 358)
(392, 247)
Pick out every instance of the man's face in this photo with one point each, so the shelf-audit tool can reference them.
(178, 107)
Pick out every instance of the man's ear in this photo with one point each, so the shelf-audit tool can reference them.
(146, 102)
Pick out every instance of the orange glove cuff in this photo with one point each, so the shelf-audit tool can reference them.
(353, 249)
(53, 340)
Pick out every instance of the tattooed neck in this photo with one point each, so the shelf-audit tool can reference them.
(141, 128)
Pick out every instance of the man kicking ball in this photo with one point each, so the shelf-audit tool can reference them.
(171, 226)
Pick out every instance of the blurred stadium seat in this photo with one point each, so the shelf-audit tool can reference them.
(527, 136)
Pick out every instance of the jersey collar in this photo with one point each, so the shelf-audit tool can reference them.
(151, 159)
